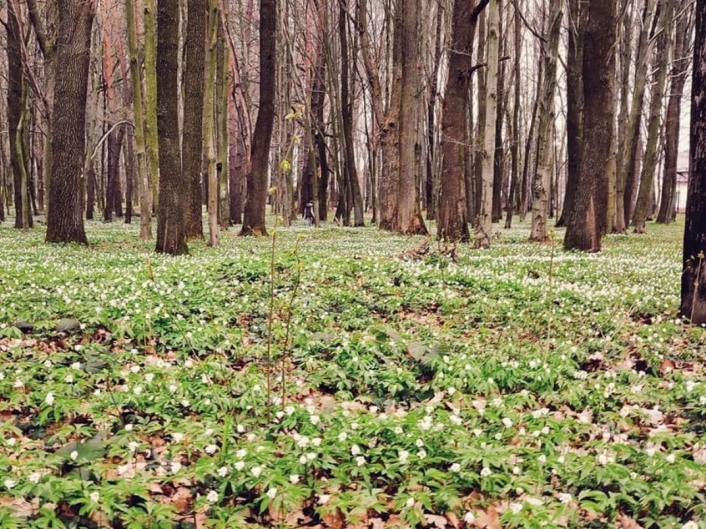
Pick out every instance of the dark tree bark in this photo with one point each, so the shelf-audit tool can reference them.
(129, 174)
(452, 216)
(193, 114)
(254, 219)
(65, 216)
(90, 192)
(113, 202)
(598, 75)
(693, 286)
(171, 212)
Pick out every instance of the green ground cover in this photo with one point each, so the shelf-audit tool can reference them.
(355, 380)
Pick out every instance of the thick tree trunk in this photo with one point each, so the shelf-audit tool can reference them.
(543, 176)
(254, 219)
(642, 207)
(65, 216)
(582, 232)
(453, 221)
(484, 224)
(408, 218)
(193, 114)
(693, 285)
(171, 210)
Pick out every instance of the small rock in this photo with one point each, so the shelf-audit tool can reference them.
(68, 325)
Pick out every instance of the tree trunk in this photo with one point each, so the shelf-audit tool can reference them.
(129, 173)
(628, 169)
(693, 286)
(430, 198)
(143, 185)
(254, 219)
(16, 95)
(499, 157)
(574, 105)
(353, 196)
(452, 216)
(484, 224)
(543, 176)
(618, 222)
(151, 99)
(209, 110)
(65, 215)
(642, 207)
(515, 146)
(223, 94)
(582, 232)
(408, 215)
(171, 210)
(680, 66)
(194, 114)
(478, 139)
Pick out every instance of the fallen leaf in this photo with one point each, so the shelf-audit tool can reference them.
(435, 520)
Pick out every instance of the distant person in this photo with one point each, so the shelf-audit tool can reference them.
(309, 214)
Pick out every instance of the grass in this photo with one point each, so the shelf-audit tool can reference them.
(414, 390)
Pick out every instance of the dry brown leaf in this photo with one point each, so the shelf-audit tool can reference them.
(453, 520)
(666, 367)
(334, 520)
(436, 521)
(489, 519)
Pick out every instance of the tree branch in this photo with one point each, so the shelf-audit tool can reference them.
(38, 26)
(479, 8)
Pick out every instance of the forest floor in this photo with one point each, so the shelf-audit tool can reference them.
(350, 378)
